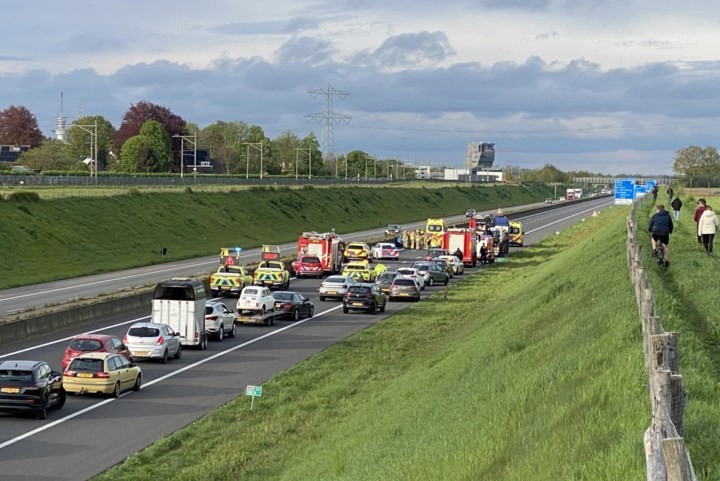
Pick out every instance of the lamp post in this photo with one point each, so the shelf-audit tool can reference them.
(193, 140)
(257, 146)
(93, 146)
(297, 155)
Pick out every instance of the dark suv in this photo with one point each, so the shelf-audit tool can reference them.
(366, 297)
(30, 386)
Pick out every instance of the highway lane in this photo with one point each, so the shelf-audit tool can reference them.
(90, 434)
(51, 293)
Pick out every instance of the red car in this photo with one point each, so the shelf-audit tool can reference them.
(94, 343)
(308, 266)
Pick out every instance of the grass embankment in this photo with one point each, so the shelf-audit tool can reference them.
(46, 240)
(530, 370)
(688, 303)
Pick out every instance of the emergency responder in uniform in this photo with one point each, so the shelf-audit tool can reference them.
(405, 239)
(411, 240)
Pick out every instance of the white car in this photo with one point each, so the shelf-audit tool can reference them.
(256, 299)
(386, 250)
(151, 340)
(457, 264)
(219, 320)
(414, 274)
(335, 287)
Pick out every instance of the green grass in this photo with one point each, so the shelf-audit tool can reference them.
(45, 240)
(475, 387)
(688, 303)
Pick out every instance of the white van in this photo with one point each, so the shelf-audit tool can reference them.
(180, 303)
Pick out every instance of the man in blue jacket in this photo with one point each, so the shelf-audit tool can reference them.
(661, 226)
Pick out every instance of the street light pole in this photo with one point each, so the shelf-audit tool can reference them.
(257, 146)
(193, 140)
(93, 146)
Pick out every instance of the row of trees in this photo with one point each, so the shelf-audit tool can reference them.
(699, 165)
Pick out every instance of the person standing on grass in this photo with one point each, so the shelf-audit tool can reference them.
(698, 212)
(676, 204)
(670, 192)
(707, 226)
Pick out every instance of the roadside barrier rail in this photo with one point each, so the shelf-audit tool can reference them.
(666, 456)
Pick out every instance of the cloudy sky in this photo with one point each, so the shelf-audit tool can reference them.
(612, 86)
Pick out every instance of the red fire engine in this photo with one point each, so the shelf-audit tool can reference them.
(462, 238)
(326, 247)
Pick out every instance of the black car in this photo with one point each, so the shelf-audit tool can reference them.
(294, 304)
(30, 386)
(365, 297)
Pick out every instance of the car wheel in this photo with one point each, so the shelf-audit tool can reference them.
(221, 333)
(312, 311)
(138, 383)
(62, 397)
(447, 279)
(262, 311)
(322, 298)
(42, 413)
(382, 309)
(431, 282)
(214, 293)
(179, 352)
(164, 358)
(203, 342)
(233, 331)
(296, 315)
(373, 309)
(391, 299)
(116, 390)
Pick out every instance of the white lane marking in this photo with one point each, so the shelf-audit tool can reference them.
(16, 439)
(568, 217)
(139, 319)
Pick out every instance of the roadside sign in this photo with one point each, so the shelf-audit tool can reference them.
(253, 392)
(640, 190)
(624, 191)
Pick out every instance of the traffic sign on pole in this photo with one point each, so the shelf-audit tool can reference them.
(624, 191)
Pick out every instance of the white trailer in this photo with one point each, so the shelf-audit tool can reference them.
(180, 303)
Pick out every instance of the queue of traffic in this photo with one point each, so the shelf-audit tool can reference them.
(183, 317)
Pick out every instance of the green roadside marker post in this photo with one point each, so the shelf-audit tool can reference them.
(253, 392)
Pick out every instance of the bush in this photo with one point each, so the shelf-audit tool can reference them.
(22, 197)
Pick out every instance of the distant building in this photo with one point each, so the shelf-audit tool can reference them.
(204, 165)
(11, 153)
(480, 156)
(473, 175)
(423, 172)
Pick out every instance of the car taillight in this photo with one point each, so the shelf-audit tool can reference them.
(70, 374)
(211, 318)
(212, 279)
(160, 340)
(102, 375)
(197, 337)
(287, 306)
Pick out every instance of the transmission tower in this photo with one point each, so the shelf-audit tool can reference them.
(328, 118)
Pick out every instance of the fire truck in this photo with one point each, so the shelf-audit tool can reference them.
(327, 247)
(464, 239)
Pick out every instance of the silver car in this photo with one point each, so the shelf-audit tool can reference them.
(151, 340)
(335, 287)
(432, 273)
(413, 274)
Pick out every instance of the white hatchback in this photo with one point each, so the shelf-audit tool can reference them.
(385, 250)
(219, 320)
(255, 299)
(152, 340)
(413, 274)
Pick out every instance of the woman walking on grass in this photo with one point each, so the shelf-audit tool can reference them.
(707, 226)
(676, 204)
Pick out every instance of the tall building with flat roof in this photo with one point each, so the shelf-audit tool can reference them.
(480, 156)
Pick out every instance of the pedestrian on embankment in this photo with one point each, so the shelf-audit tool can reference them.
(676, 204)
(698, 212)
(707, 226)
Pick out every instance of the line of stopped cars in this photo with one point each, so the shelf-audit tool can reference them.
(103, 364)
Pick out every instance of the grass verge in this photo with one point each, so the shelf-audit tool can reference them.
(687, 302)
(478, 386)
(45, 240)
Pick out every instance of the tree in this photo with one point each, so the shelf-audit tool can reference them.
(357, 160)
(78, 140)
(550, 174)
(286, 155)
(51, 155)
(694, 162)
(150, 151)
(18, 126)
(312, 144)
(224, 140)
(256, 135)
(138, 114)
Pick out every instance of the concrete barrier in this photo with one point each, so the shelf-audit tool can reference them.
(73, 317)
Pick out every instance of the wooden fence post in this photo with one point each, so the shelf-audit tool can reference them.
(676, 463)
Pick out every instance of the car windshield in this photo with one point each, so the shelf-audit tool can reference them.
(386, 277)
(386, 246)
(282, 296)
(404, 282)
(250, 292)
(406, 272)
(334, 280)
(311, 260)
(86, 345)
(355, 246)
(144, 332)
(87, 365)
(359, 290)
(355, 268)
(15, 375)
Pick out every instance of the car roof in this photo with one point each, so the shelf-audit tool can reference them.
(285, 292)
(24, 365)
(97, 337)
(364, 284)
(96, 355)
(148, 324)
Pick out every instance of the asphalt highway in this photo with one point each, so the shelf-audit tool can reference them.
(91, 434)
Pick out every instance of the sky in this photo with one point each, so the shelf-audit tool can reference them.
(607, 86)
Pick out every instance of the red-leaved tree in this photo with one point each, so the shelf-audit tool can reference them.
(18, 126)
(139, 113)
